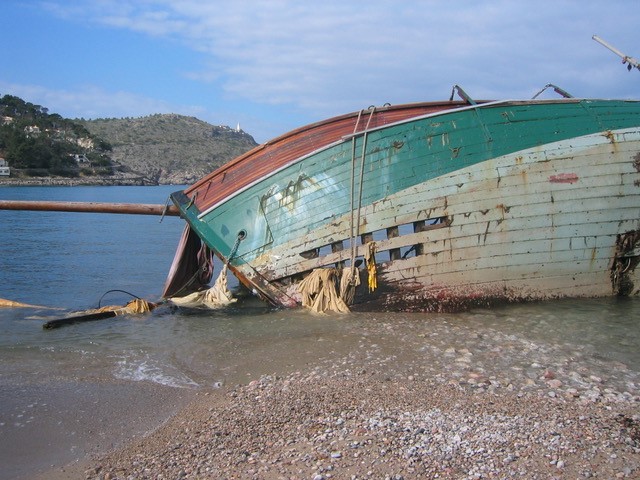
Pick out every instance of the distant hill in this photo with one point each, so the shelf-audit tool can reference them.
(169, 148)
(165, 148)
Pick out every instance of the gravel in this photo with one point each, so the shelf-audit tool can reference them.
(343, 421)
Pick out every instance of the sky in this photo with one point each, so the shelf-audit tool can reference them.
(275, 65)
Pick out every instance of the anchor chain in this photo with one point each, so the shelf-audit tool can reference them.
(241, 236)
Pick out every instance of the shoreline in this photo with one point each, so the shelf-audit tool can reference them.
(73, 182)
(382, 399)
(354, 424)
(344, 418)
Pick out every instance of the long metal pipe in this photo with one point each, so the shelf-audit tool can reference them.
(90, 207)
(625, 58)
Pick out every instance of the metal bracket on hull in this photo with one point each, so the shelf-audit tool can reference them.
(556, 89)
(463, 95)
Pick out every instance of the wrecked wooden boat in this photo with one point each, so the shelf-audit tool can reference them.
(434, 206)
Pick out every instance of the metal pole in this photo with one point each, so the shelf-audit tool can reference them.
(90, 207)
(625, 58)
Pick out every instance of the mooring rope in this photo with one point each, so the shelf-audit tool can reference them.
(241, 236)
(353, 181)
(354, 235)
(117, 290)
(347, 292)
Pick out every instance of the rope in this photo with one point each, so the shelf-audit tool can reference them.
(115, 290)
(354, 227)
(364, 151)
(165, 209)
(353, 169)
(355, 234)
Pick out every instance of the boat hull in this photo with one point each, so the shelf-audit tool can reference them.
(503, 202)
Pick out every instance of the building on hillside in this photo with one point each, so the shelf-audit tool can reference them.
(4, 168)
(80, 158)
(32, 130)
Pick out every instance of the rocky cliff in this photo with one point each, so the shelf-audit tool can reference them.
(169, 148)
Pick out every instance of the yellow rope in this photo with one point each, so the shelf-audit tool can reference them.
(370, 260)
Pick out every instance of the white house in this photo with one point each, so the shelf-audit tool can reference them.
(80, 157)
(4, 168)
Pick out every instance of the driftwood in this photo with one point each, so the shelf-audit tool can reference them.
(136, 306)
(11, 304)
(61, 322)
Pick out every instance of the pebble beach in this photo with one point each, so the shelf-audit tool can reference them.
(488, 406)
(314, 426)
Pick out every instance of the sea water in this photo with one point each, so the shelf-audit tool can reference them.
(88, 387)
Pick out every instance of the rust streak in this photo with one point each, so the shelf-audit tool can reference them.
(610, 136)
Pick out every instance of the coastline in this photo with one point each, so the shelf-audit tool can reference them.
(393, 397)
(358, 417)
(120, 180)
(355, 424)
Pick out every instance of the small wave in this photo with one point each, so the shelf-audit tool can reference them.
(150, 370)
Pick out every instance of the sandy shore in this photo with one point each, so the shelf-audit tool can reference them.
(328, 423)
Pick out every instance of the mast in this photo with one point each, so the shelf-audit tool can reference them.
(630, 61)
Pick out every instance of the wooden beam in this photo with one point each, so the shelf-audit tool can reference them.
(90, 207)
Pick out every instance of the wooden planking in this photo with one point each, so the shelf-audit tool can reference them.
(266, 159)
(487, 202)
(562, 262)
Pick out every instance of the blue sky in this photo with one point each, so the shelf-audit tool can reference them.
(275, 65)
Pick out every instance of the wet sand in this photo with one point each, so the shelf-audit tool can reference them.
(47, 425)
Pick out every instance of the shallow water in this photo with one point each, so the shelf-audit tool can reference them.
(87, 387)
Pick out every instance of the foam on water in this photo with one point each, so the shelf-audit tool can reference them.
(144, 368)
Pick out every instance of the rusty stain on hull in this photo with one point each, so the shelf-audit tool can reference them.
(625, 261)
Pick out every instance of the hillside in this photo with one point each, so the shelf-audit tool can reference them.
(36, 143)
(169, 148)
(42, 147)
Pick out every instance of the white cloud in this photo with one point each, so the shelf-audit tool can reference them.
(94, 102)
(328, 57)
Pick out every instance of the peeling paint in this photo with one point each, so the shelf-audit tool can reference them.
(564, 178)
(610, 136)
